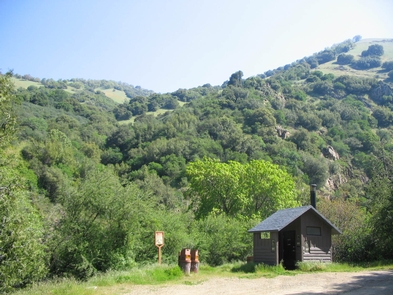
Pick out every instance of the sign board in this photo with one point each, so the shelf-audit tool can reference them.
(159, 238)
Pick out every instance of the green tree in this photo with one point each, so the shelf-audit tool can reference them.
(100, 225)
(356, 38)
(236, 79)
(375, 49)
(345, 59)
(383, 115)
(379, 195)
(388, 65)
(7, 114)
(22, 253)
(316, 169)
(367, 62)
(353, 221)
(256, 188)
(221, 238)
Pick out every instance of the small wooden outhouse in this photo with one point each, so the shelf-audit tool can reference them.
(292, 235)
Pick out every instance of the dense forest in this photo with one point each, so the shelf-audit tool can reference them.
(86, 180)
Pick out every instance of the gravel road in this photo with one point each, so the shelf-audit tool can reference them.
(359, 283)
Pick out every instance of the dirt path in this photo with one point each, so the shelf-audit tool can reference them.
(359, 283)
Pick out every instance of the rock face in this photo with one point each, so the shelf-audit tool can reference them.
(283, 133)
(379, 92)
(330, 153)
(334, 182)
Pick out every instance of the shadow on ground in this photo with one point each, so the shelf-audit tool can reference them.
(374, 283)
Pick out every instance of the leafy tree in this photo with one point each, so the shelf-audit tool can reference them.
(258, 187)
(384, 116)
(22, 253)
(99, 226)
(221, 238)
(345, 59)
(170, 103)
(367, 62)
(122, 112)
(123, 138)
(380, 201)
(7, 115)
(355, 243)
(323, 87)
(325, 56)
(224, 129)
(261, 116)
(388, 65)
(312, 61)
(373, 50)
(356, 38)
(310, 121)
(236, 79)
(344, 46)
(305, 141)
(316, 169)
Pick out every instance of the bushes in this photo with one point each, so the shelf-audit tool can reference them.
(388, 65)
(345, 59)
(354, 245)
(367, 62)
(221, 239)
(373, 50)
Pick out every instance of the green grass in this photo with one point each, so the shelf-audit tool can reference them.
(155, 114)
(116, 95)
(118, 282)
(24, 83)
(337, 70)
(109, 283)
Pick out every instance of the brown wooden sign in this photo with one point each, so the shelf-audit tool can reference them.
(159, 242)
(159, 238)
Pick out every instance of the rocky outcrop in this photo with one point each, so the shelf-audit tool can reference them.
(334, 181)
(281, 132)
(330, 153)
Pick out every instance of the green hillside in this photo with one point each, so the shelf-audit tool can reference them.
(378, 72)
(90, 169)
(117, 91)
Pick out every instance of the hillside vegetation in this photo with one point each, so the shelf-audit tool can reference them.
(89, 169)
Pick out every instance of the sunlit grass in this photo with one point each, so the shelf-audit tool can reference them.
(114, 94)
(24, 83)
(118, 282)
(155, 114)
(109, 282)
(333, 68)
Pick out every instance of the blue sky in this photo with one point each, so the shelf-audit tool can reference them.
(170, 44)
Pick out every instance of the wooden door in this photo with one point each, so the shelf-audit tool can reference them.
(289, 249)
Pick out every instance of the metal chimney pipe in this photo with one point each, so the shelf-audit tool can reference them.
(313, 195)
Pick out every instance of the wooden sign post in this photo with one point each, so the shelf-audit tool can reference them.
(159, 242)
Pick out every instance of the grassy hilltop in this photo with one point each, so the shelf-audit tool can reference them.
(378, 72)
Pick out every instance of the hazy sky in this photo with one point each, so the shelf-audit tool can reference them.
(164, 45)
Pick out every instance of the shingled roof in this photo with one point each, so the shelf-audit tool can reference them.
(282, 218)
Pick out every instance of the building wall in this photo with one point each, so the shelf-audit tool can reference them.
(308, 247)
(266, 250)
(315, 247)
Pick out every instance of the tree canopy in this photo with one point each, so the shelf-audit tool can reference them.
(257, 188)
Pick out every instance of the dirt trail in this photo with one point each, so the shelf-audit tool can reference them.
(359, 283)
